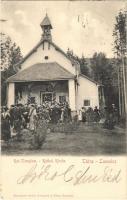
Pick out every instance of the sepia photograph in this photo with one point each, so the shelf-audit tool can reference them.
(63, 78)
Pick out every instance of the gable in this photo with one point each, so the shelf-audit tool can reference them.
(46, 52)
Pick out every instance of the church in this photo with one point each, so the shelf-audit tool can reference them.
(47, 73)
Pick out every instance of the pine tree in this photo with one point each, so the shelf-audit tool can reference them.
(82, 61)
(104, 71)
(84, 66)
(120, 49)
(99, 64)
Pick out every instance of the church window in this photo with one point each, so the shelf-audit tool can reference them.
(46, 57)
(62, 99)
(86, 102)
(47, 96)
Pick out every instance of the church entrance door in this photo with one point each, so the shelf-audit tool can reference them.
(46, 96)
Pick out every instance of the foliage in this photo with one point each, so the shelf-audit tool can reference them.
(119, 33)
(120, 49)
(101, 68)
(84, 66)
(10, 56)
(105, 71)
(82, 61)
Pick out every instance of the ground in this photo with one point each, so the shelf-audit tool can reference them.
(86, 140)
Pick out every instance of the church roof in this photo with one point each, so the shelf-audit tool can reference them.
(42, 72)
(46, 22)
(90, 79)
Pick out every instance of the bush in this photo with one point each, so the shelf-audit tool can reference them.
(67, 127)
(39, 135)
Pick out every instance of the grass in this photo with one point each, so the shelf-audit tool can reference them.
(86, 140)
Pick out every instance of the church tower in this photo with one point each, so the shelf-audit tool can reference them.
(46, 28)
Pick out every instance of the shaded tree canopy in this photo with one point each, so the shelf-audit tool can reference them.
(10, 56)
(101, 68)
(82, 61)
(104, 70)
(84, 66)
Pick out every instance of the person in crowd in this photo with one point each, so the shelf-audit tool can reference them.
(106, 117)
(5, 125)
(40, 127)
(65, 114)
(80, 115)
(25, 113)
(89, 115)
(62, 114)
(69, 113)
(11, 111)
(115, 114)
(96, 114)
(57, 112)
(46, 115)
(109, 121)
(18, 120)
(54, 114)
(83, 114)
(32, 118)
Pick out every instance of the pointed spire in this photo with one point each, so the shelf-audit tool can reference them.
(46, 28)
(46, 22)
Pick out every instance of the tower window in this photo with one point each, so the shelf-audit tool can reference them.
(46, 57)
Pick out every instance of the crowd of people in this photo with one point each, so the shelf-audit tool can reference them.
(30, 116)
(89, 114)
(107, 115)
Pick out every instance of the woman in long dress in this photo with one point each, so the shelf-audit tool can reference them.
(5, 125)
(32, 118)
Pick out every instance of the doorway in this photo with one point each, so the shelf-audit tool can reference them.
(46, 97)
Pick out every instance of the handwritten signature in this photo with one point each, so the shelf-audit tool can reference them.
(70, 174)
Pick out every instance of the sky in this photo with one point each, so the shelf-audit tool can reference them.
(84, 26)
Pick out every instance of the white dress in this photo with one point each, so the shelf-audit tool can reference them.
(80, 115)
(32, 119)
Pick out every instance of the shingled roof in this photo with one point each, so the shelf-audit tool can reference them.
(42, 72)
(46, 22)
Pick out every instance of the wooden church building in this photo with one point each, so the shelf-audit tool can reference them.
(46, 73)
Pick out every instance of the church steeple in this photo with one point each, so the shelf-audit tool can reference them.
(46, 28)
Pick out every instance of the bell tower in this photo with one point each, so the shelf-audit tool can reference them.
(46, 28)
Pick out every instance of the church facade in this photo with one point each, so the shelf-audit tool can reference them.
(47, 73)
